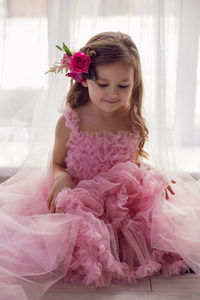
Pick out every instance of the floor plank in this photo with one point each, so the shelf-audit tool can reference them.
(180, 282)
(64, 291)
(182, 287)
(177, 287)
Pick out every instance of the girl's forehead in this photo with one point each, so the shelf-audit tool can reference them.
(118, 69)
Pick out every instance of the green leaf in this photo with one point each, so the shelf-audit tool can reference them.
(68, 52)
(59, 48)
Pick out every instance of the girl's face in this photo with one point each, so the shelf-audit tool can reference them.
(113, 87)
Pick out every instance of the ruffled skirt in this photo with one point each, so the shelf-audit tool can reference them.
(117, 227)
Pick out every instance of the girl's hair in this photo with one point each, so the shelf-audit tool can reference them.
(113, 47)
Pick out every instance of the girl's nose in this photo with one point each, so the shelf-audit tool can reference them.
(112, 92)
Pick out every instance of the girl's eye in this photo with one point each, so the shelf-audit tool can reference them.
(123, 86)
(102, 85)
(120, 86)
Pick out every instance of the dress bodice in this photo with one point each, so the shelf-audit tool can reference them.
(88, 153)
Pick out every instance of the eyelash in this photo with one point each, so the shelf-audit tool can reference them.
(120, 86)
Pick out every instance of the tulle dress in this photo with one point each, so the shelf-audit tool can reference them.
(115, 226)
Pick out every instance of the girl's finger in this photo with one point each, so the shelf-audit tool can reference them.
(170, 189)
(173, 181)
(49, 200)
(166, 194)
(52, 206)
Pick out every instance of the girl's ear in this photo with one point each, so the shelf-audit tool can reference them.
(84, 83)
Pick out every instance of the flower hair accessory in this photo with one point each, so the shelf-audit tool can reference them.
(79, 64)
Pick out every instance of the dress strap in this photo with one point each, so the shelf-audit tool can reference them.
(72, 119)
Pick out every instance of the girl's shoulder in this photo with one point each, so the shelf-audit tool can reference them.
(70, 118)
(76, 118)
(61, 128)
(62, 134)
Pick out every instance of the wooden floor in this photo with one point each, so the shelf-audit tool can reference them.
(183, 287)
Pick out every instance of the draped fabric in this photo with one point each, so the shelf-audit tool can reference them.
(167, 36)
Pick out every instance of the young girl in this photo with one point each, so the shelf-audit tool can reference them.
(131, 219)
(107, 217)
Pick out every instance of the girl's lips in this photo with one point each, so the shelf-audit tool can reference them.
(111, 102)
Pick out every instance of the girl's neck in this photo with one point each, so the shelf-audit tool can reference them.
(90, 108)
(94, 120)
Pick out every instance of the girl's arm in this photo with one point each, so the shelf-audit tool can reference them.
(61, 178)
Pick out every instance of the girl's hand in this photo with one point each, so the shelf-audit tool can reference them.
(59, 184)
(169, 189)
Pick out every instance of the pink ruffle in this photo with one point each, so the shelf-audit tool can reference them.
(147, 269)
(115, 219)
(91, 153)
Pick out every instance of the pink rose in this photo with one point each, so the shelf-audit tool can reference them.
(76, 76)
(79, 62)
(65, 60)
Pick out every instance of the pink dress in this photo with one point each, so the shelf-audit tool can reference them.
(115, 226)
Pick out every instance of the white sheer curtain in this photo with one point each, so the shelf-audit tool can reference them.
(167, 36)
(23, 61)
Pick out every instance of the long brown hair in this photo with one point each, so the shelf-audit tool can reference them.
(113, 47)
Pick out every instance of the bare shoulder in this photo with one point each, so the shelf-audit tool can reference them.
(62, 134)
(61, 123)
(61, 130)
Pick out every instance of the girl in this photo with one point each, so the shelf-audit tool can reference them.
(128, 229)
(112, 218)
